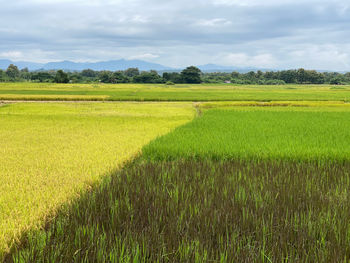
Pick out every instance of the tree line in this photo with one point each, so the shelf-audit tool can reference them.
(191, 75)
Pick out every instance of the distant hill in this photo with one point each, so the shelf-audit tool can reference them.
(112, 65)
(123, 64)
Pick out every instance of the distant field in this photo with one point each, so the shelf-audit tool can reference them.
(161, 92)
(237, 184)
(51, 151)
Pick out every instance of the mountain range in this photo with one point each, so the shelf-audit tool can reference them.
(112, 65)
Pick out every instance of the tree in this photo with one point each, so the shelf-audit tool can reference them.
(270, 75)
(347, 77)
(235, 75)
(61, 77)
(191, 75)
(148, 77)
(132, 72)
(172, 76)
(12, 72)
(42, 77)
(259, 74)
(119, 77)
(106, 76)
(301, 75)
(89, 73)
(289, 76)
(24, 74)
(75, 78)
(312, 76)
(251, 76)
(2, 75)
(336, 80)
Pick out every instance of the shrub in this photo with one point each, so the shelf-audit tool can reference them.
(275, 82)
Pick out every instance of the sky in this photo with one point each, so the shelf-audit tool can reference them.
(284, 34)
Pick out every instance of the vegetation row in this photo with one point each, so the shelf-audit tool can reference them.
(189, 75)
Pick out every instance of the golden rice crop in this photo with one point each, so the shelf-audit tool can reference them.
(51, 151)
(47, 97)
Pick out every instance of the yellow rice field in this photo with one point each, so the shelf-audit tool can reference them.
(51, 151)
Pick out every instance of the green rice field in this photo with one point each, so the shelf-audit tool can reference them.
(249, 133)
(236, 174)
(181, 92)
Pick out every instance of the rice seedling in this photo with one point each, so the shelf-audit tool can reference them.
(49, 152)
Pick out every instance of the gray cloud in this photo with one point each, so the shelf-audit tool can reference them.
(178, 33)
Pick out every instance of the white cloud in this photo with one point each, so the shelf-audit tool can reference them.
(32, 55)
(233, 2)
(244, 60)
(11, 54)
(251, 3)
(269, 33)
(144, 56)
(216, 22)
(326, 57)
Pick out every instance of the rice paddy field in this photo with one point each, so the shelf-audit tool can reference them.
(259, 133)
(260, 179)
(50, 152)
(183, 92)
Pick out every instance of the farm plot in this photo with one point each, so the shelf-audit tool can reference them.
(180, 92)
(49, 152)
(261, 133)
(235, 185)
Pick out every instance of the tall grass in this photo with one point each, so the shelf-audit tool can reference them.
(204, 211)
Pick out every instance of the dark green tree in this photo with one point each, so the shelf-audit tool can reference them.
(288, 76)
(61, 77)
(119, 77)
(89, 73)
(191, 75)
(313, 77)
(12, 72)
(106, 77)
(259, 74)
(251, 76)
(42, 77)
(301, 75)
(235, 75)
(24, 74)
(174, 77)
(148, 77)
(270, 75)
(75, 78)
(2, 76)
(338, 80)
(132, 72)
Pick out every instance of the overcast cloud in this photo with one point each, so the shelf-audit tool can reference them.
(270, 34)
